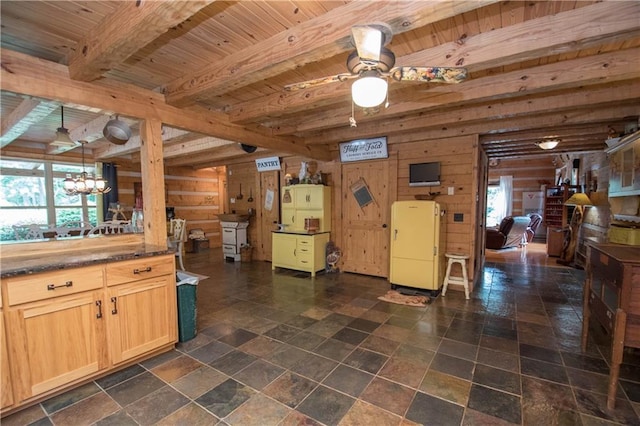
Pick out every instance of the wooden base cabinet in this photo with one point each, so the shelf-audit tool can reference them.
(67, 326)
(139, 320)
(299, 251)
(612, 297)
(6, 387)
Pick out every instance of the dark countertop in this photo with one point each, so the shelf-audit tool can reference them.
(300, 232)
(622, 253)
(67, 260)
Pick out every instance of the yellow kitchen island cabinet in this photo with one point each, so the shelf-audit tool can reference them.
(67, 326)
(302, 252)
(300, 202)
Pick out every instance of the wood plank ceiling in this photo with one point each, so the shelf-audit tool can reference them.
(214, 72)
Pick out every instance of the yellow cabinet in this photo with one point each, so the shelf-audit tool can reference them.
(300, 202)
(140, 318)
(298, 251)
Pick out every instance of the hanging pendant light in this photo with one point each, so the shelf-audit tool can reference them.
(85, 183)
(62, 134)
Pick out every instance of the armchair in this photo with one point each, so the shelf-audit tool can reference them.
(496, 237)
(536, 220)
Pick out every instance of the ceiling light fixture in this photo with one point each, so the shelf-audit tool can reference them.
(85, 183)
(548, 143)
(369, 90)
(62, 134)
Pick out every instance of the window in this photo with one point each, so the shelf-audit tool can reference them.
(32, 192)
(494, 199)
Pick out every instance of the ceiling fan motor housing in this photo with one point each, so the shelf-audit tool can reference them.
(387, 60)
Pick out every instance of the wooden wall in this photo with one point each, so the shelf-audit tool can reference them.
(458, 157)
(196, 195)
(528, 175)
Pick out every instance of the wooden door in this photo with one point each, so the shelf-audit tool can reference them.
(141, 317)
(269, 185)
(56, 342)
(365, 230)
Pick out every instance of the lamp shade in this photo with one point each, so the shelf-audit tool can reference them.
(578, 199)
(548, 144)
(369, 91)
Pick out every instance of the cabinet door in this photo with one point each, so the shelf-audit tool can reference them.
(309, 197)
(6, 391)
(56, 341)
(142, 317)
(284, 250)
(289, 218)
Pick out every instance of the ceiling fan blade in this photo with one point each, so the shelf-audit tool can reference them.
(368, 41)
(319, 81)
(430, 74)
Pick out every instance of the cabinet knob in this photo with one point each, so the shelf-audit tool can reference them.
(384, 225)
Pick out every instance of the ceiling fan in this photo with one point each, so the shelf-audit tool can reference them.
(372, 65)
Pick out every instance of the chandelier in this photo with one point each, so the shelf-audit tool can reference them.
(85, 183)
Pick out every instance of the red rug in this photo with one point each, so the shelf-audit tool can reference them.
(394, 296)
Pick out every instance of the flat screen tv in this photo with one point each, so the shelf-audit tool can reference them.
(424, 174)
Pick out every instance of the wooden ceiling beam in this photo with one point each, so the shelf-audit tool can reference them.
(27, 113)
(311, 41)
(481, 105)
(213, 154)
(541, 122)
(24, 74)
(130, 28)
(515, 43)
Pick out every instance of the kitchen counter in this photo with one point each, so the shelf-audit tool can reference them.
(299, 232)
(74, 259)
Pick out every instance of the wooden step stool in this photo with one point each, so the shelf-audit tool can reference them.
(461, 259)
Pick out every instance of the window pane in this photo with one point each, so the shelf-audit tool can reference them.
(493, 198)
(21, 165)
(65, 215)
(12, 216)
(23, 191)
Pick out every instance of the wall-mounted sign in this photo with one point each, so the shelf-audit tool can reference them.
(363, 149)
(268, 164)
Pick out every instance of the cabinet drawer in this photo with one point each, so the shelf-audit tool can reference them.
(602, 314)
(53, 284)
(134, 270)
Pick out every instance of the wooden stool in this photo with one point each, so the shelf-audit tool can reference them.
(464, 280)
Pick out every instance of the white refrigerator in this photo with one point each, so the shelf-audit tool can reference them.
(417, 245)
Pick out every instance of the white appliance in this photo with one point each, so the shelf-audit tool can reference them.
(417, 245)
(234, 236)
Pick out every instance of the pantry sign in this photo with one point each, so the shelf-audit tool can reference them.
(267, 164)
(364, 149)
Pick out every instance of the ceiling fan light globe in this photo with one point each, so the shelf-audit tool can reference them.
(369, 91)
(550, 144)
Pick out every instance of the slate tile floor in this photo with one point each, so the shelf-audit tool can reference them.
(284, 349)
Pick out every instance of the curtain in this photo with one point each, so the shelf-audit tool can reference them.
(111, 175)
(506, 196)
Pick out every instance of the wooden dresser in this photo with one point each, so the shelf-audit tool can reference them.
(612, 296)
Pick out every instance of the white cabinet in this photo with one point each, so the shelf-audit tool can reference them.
(299, 251)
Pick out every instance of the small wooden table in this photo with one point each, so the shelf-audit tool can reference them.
(612, 295)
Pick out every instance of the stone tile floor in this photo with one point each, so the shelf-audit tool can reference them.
(284, 349)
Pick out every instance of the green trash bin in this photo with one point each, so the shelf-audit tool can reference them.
(187, 285)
